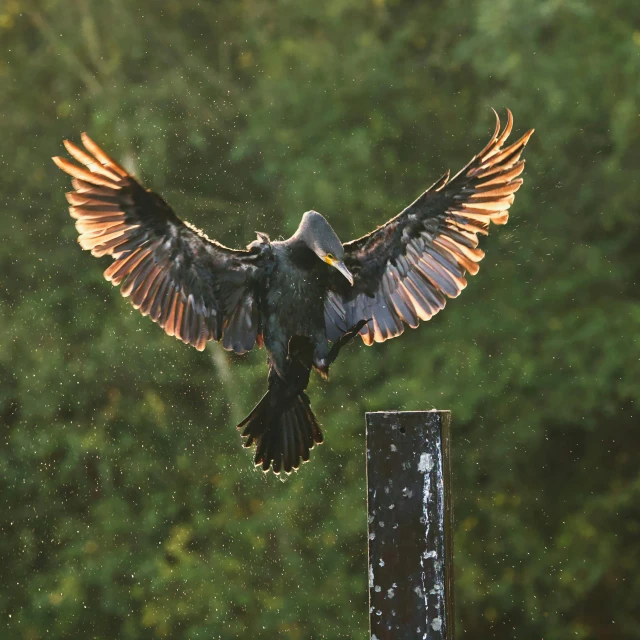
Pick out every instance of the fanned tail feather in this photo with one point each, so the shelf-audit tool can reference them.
(284, 430)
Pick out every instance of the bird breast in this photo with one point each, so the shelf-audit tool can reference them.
(296, 296)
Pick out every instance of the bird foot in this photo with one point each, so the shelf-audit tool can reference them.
(346, 338)
(349, 335)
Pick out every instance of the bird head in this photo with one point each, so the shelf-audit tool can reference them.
(318, 235)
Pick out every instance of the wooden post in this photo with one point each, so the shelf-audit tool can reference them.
(410, 525)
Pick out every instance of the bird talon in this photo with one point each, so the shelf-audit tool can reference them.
(353, 332)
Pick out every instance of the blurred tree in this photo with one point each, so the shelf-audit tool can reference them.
(129, 509)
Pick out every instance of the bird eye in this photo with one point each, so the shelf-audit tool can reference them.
(331, 256)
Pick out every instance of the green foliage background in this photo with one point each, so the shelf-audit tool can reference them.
(128, 509)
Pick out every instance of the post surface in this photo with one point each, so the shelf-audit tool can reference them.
(410, 525)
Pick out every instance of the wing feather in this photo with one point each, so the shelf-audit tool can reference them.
(404, 269)
(193, 287)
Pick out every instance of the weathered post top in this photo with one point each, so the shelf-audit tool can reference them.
(410, 525)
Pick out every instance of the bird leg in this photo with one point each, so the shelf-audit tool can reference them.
(345, 339)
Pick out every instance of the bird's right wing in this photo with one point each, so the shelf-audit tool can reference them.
(194, 288)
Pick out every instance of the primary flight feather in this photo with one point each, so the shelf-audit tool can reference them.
(303, 298)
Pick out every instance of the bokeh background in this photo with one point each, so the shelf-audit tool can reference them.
(127, 507)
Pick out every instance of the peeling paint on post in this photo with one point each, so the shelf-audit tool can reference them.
(410, 525)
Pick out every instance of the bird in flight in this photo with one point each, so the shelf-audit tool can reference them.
(303, 298)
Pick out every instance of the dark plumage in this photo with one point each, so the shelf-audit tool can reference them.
(303, 298)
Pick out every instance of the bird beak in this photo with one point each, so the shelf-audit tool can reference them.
(341, 267)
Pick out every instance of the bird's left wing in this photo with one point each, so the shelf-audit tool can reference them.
(404, 269)
(194, 288)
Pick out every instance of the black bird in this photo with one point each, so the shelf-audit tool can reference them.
(302, 298)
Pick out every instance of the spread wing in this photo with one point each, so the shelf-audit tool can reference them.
(404, 269)
(194, 288)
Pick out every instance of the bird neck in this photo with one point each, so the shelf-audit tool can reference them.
(300, 254)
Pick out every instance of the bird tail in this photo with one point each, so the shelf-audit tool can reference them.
(283, 428)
